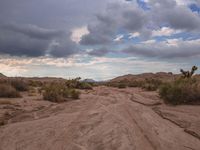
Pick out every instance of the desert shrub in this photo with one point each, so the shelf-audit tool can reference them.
(34, 83)
(32, 91)
(54, 92)
(121, 85)
(19, 85)
(74, 94)
(57, 92)
(116, 84)
(85, 85)
(110, 84)
(149, 87)
(181, 91)
(73, 83)
(77, 84)
(151, 84)
(135, 83)
(6, 90)
(147, 84)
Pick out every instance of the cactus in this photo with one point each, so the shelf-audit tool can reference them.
(188, 74)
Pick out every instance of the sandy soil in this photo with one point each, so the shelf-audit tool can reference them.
(103, 119)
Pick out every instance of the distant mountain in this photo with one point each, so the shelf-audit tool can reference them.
(143, 76)
(89, 80)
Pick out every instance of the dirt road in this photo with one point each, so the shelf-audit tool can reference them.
(103, 119)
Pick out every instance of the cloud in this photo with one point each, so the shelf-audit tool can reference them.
(175, 16)
(33, 31)
(187, 2)
(99, 52)
(17, 44)
(166, 15)
(133, 35)
(119, 38)
(78, 33)
(165, 31)
(149, 42)
(33, 41)
(100, 68)
(100, 32)
(126, 16)
(53, 39)
(134, 19)
(170, 49)
(63, 47)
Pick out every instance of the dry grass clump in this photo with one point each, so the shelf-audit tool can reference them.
(7, 91)
(19, 84)
(136, 83)
(151, 84)
(34, 83)
(5, 102)
(181, 91)
(57, 92)
(74, 94)
(119, 85)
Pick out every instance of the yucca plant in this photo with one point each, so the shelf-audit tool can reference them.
(189, 74)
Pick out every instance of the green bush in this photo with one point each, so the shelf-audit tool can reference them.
(76, 83)
(85, 85)
(181, 91)
(73, 83)
(58, 92)
(8, 91)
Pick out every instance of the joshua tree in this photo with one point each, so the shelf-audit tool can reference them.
(194, 68)
(188, 74)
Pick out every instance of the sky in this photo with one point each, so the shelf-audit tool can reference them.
(98, 39)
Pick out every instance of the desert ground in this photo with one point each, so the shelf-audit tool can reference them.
(104, 118)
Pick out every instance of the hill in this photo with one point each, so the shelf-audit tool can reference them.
(143, 76)
(2, 75)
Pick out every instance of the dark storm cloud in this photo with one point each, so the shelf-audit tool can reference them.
(134, 20)
(117, 16)
(33, 31)
(129, 17)
(99, 52)
(177, 17)
(182, 18)
(34, 41)
(44, 27)
(63, 47)
(179, 49)
(100, 32)
(17, 44)
(58, 14)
